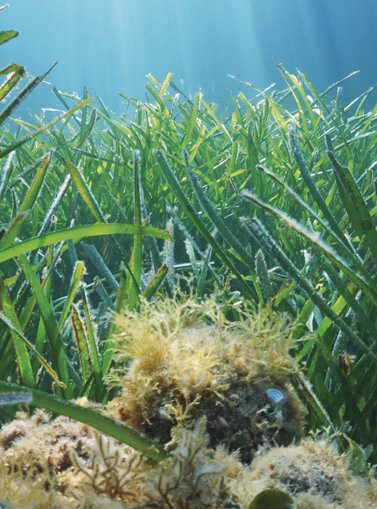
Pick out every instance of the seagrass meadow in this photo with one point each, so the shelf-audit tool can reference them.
(178, 221)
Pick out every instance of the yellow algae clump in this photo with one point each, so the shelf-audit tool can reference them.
(179, 360)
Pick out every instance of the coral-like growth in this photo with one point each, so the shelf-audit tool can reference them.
(36, 460)
(53, 439)
(183, 360)
(26, 483)
(110, 470)
(105, 474)
(100, 472)
(313, 473)
(193, 477)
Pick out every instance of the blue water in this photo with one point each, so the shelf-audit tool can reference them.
(110, 45)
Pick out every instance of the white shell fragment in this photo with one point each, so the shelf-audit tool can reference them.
(276, 396)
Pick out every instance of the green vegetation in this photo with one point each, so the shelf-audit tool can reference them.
(275, 203)
(272, 499)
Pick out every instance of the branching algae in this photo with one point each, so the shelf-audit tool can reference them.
(185, 360)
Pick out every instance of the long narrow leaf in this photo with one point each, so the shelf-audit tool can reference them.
(218, 222)
(37, 132)
(258, 230)
(55, 204)
(88, 416)
(56, 342)
(9, 84)
(85, 191)
(93, 346)
(366, 286)
(22, 354)
(82, 344)
(31, 347)
(29, 200)
(309, 181)
(78, 233)
(77, 275)
(23, 94)
(6, 174)
(87, 129)
(153, 286)
(361, 214)
(193, 216)
(135, 265)
(120, 304)
(13, 228)
(263, 276)
(100, 264)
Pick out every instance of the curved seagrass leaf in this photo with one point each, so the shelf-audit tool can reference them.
(81, 339)
(46, 127)
(135, 265)
(27, 202)
(259, 232)
(76, 234)
(355, 204)
(263, 276)
(272, 498)
(76, 281)
(59, 357)
(364, 282)
(88, 416)
(152, 287)
(87, 129)
(9, 316)
(23, 94)
(311, 185)
(343, 243)
(85, 191)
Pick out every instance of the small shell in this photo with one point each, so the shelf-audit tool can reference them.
(276, 395)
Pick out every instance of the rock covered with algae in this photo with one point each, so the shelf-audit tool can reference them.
(314, 474)
(106, 474)
(185, 360)
(216, 394)
(56, 463)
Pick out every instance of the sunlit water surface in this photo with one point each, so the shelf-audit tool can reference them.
(110, 45)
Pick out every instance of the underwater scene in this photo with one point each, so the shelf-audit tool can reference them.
(188, 254)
